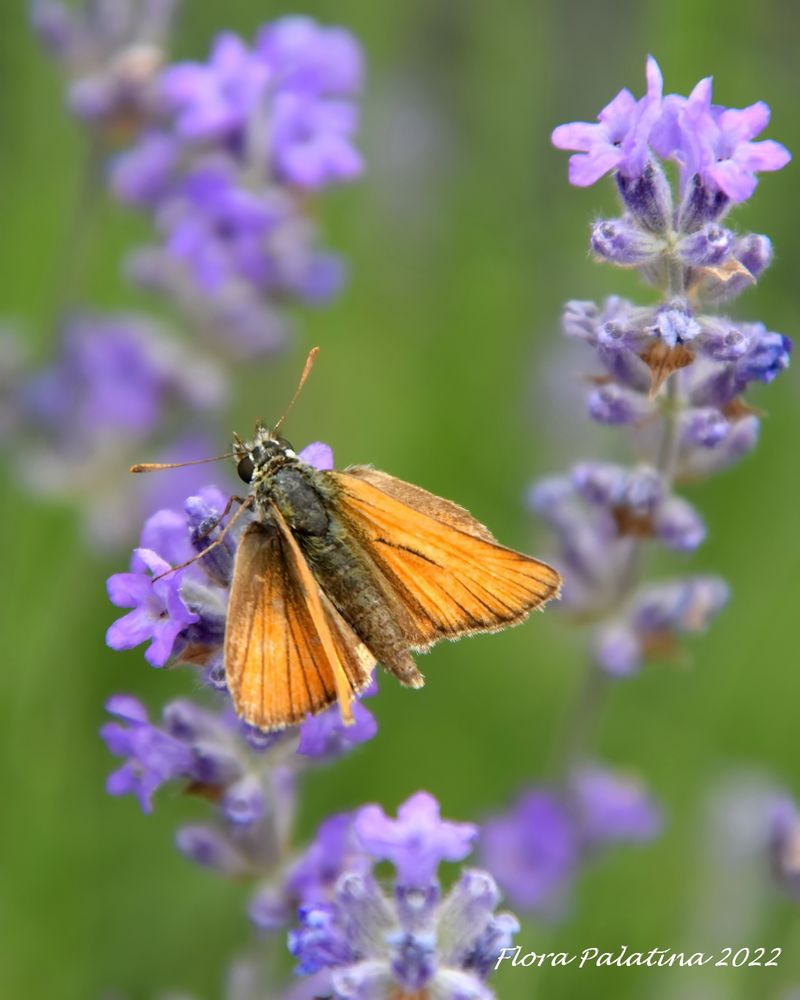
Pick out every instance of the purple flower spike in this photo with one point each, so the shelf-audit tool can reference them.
(417, 841)
(619, 140)
(159, 613)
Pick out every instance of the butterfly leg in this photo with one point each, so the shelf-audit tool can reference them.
(222, 516)
(246, 505)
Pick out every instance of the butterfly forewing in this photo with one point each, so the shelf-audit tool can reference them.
(445, 567)
(276, 664)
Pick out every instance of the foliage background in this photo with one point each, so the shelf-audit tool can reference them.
(440, 364)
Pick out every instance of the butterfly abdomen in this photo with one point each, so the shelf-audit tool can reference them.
(352, 586)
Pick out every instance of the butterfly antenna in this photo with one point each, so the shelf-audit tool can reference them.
(158, 466)
(312, 357)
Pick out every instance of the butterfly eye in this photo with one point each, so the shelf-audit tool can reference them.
(246, 468)
(284, 443)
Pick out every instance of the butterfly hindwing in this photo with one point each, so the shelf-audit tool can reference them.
(451, 575)
(277, 666)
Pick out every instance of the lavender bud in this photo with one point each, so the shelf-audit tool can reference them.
(209, 848)
(704, 426)
(243, 802)
(648, 197)
(214, 674)
(679, 525)
(548, 496)
(754, 252)
(269, 910)
(580, 319)
(720, 340)
(620, 242)
(617, 650)
(497, 936)
(643, 490)
(466, 911)
(700, 205)
(706, 247)
(618, 349)
(599, 482)
(741, 439)
(684, 606)
(188, 722)
(614, 404)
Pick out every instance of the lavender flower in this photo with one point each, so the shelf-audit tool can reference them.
(715, 144)
(712, 145)
(159, 614)
(675, 373)
(379, 946)
(619, 140)
(538, 847)
(241, 141)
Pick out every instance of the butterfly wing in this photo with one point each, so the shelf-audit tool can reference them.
(449, 572)
(282, 660)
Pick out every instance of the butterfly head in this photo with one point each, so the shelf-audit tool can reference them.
(262, 456)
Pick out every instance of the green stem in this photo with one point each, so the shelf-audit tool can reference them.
(74, 258)
(583, 717)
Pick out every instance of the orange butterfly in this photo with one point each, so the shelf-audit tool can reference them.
(340, 570)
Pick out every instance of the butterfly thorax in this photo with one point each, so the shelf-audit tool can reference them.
(276, 476)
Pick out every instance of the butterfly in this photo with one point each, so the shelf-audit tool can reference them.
(337, 571)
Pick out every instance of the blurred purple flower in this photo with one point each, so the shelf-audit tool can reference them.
(610, 807)
(111, 55)
(538, 847)
(784, 845)
(118, 380)
(224, 173)
(154, 757)
(532, 850)
(657, 615)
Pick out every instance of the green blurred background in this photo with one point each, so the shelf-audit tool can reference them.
(441, 365)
